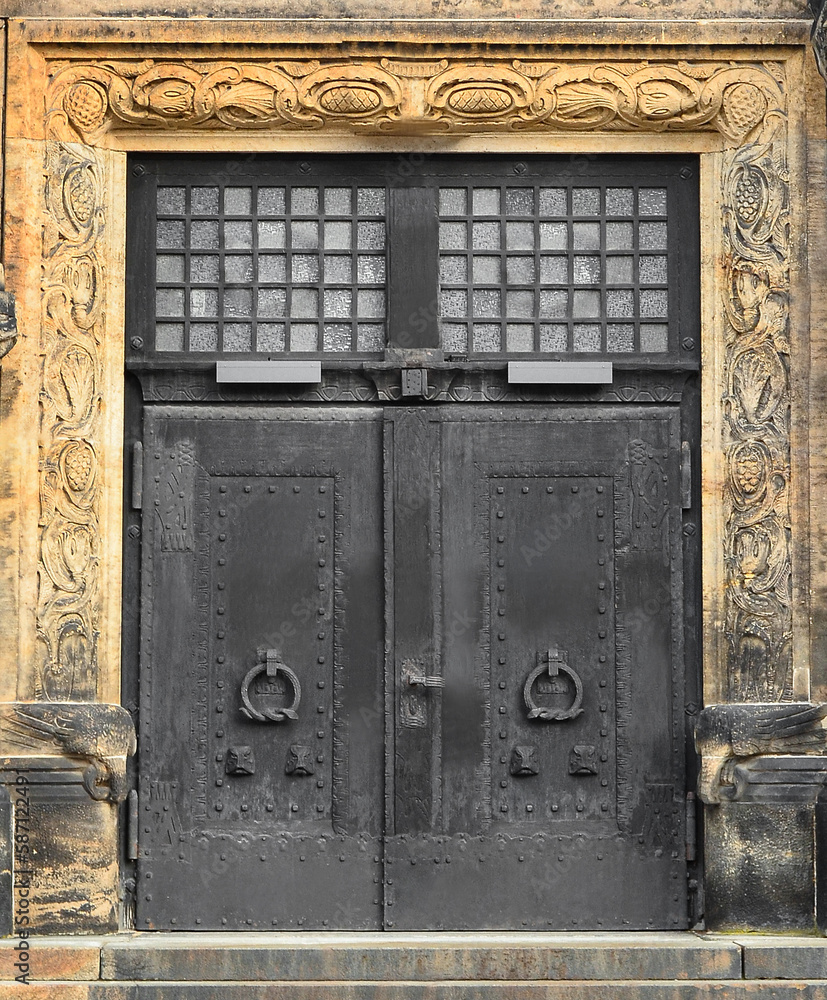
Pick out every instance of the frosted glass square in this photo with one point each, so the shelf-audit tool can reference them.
(586, 235)
(585, 201)
(238, 235)
(455, 338)
(453, 235)
(620, 303)
(270, 201)
(553, 201)
(238, 201)
(453, 201)
(338, 201)
(554, 236)
(619, 236)
(204, 268)
(486, 302)
(169, 268)
(370, 270)
(338, 269)
(169, 336)
(304, 235)
(453, 302)
(338, 303)
(519, 201)
(203, 302)
(238, 337)
(554, 270)
(554, 303)
(238, 302)
(203, 336)
(653, 270)
(487, 337)
(305, 267)
(336, 337)
(620, 201)
(238, 268)
(620, 270)
(370, 201)
(204, 201)
(520, 270)
(485, 201)
(271, 235)
(305, 303)
(370, 235)
(272, 267)
(652, 235)
(486, 270)
(304, 336)
(270, 337)
(453, 270)
(370, 337)
(169, 302)
(651, 201)
(204, 235)
(620, 337)
(586, 270)
(654, 337)
(338, 235)
(519, 304)
(485, 235)
(170, 235)
(370, 303)
(654, 303)
(554, 337)
(272, 302)
(519, 337)
(519, 235)
(586, 337)
(304, 201)
(586, 304)
(172, 200)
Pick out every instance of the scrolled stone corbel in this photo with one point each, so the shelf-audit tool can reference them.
(728, 735)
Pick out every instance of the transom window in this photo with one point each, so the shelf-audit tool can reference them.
(476, 257)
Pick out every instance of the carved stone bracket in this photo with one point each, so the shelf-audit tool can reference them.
(731, 738)
(101, 734)
(416, 95)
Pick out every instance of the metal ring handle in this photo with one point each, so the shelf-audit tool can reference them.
(554, 664)
(272, 666)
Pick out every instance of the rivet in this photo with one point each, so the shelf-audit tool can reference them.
(600, 538)
(501, 685)
(501, 636)
(501, 562)
(529, 808)
(272, 490)
(500, 489)
(322, 513)
(575, 489)
(549, 489)
(525, 489)
(500, 538)
(294, 808)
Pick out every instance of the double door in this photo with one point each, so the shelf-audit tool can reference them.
(412, 667)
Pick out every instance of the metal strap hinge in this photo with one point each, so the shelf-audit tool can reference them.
(691, 828)
(686, 475)
(132, 826)
(137, 475)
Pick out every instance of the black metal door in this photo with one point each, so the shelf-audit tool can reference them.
(261, 674)
(537, 753)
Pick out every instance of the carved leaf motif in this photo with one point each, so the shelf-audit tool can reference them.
(758, 384)
(77, 376)
(245, 102)
(76, 549)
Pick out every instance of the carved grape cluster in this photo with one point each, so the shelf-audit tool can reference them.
(86, 105)
(77, 462)
(748, 196)
(749, 469)
(80, 192)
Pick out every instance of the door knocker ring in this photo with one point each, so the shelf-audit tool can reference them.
(270, 664)
(553, 662)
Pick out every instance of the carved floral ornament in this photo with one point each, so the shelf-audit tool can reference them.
(742, 102)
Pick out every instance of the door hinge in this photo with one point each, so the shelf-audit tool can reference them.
(686, 475)
(137, 475)
(132, 826)
(691, 828)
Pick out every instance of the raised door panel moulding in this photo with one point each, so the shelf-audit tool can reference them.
(745, 102)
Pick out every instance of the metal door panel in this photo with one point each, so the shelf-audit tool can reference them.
(261, 670)
(558, 557)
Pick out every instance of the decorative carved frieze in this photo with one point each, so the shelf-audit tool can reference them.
(85, 100)
(69, 598)
(428, 93)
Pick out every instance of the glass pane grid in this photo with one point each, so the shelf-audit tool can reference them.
(580, 268)
(246, 268)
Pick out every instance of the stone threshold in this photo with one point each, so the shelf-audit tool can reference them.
(327, 962)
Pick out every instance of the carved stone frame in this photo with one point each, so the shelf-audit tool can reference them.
(76, 110)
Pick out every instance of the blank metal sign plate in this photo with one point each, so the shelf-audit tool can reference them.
(561, 372)
(268, 371)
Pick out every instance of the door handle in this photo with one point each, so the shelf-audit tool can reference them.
(553, 662)
(412, 676)
(270, 664)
